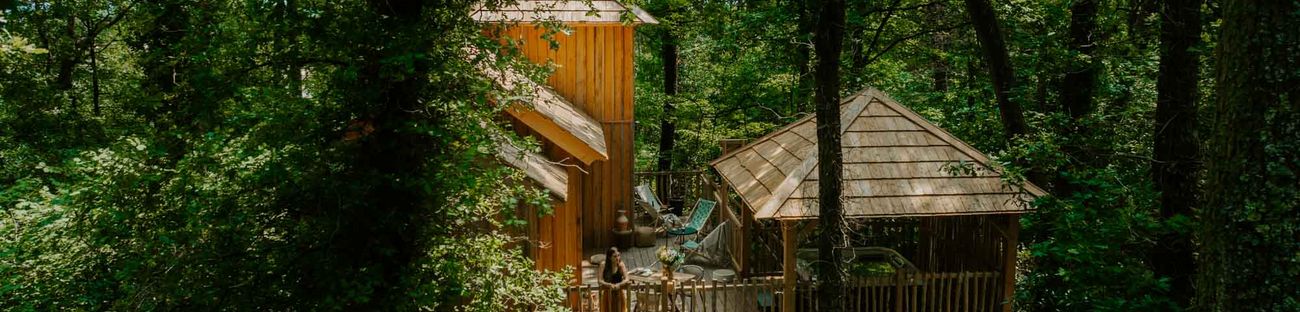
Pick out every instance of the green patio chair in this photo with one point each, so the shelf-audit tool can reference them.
(703, 209)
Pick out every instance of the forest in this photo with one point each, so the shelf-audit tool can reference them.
(330, 155)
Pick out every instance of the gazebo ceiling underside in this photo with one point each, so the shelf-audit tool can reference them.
(896, 164)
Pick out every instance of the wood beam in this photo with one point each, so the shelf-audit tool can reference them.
(559, 136)
(1012, 236)
(789, 274)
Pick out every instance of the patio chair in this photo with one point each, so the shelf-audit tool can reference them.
(648, 202)
(710, 246)
(703, 209)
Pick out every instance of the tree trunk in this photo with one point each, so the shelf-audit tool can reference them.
(1040, 91)
(1177, 151)
(1248, 239)
(828, 43)
(293, 70)
(986, 26)
(667, 129)
(1076, 91)
(1139, 11)
(68, 62)
(803, 54)
(1081, 77)
(939, 40)
(94, 78)
(985, 21)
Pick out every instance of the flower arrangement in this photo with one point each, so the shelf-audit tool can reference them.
(670, 257)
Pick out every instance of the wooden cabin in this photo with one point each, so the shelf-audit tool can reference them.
(939, 207)
(583, 116)
(909, 187)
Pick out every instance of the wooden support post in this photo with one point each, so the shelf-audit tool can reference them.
(707, 189)
(789, 274)
(898, 291)
(1012, 236)
(740, 254)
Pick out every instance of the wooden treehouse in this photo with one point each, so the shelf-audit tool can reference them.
(583, 116)
(935, 226)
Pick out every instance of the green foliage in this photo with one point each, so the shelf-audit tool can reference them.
(1085, 250)
(736, 78)
(310, 155)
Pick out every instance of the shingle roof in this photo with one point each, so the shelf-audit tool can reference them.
(599, 11)
(547, 174)
(552, 111)
(895, 164)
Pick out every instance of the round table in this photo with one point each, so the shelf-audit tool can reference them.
(658, 275)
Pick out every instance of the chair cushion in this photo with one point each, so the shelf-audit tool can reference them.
(691, 245)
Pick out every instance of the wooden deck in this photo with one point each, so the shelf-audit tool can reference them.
(640, 258)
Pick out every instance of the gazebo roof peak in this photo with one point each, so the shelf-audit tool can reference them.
(896, 164)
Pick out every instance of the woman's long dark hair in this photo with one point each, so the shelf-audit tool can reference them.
(611, 268)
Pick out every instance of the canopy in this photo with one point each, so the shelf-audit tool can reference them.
(896, 164)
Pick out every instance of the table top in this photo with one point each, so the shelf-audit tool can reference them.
(658, 274)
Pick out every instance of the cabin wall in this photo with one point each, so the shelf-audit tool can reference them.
(554, 243)
(594, 72)
(555, 240)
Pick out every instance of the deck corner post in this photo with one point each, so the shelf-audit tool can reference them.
(789, 276)
(1009, 261)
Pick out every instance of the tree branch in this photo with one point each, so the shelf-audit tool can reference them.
(895, 43)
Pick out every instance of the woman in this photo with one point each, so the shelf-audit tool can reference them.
(613, 277)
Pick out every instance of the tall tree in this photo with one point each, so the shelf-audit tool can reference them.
(667, 126)
(803, 52)
(939, 70)
(1177, 150)
(828, 43)
(667, 130)
(1251, 216)
(985, 21)
(1081, 75)
(1077, 87)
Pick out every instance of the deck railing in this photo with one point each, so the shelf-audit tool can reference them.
(758, 294)
(913, 292)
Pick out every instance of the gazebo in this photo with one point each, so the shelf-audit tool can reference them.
(948, 206)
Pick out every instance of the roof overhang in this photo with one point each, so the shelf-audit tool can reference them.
(550, 115)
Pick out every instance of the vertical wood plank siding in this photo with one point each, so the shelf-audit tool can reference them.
(594, 71)
(554, 241)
